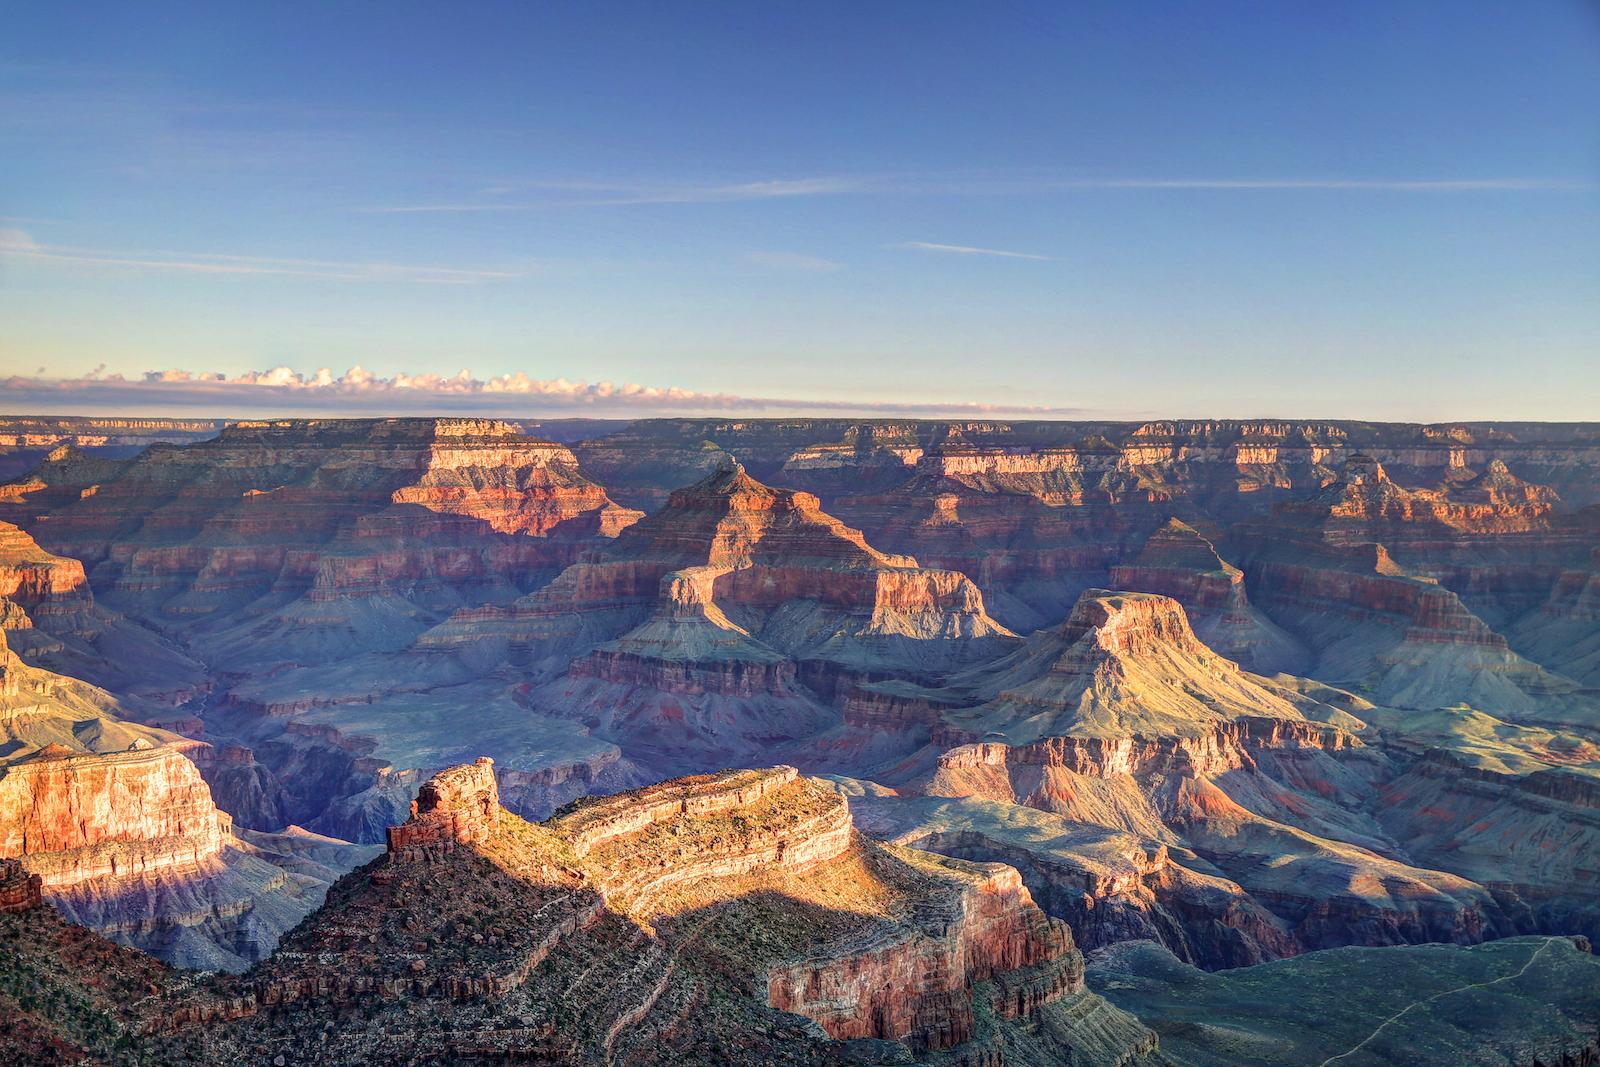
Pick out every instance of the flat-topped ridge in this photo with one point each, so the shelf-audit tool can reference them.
(1123, 622)
(595, 823)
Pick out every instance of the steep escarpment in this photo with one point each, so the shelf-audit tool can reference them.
(49, 616)
(324, 507)
(121, 830)
(1121, 663)
(25, 439)
(1563, 633)
(1332, 571)
(1178, 562)
(700, 920)
(290, 557)
(1110, 885)
(726, 621)
(78, 817)
(1249, 464)
(1036, 512)
(46, 586)
(1258, 790)
(1496, 541)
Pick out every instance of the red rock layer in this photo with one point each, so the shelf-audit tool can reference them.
(42, 589)
(1222, 747)
(75, 817)
(20, 889)
(918, 988)
(340, 504)
(726, 544)
(1179, 563)
(460, 806)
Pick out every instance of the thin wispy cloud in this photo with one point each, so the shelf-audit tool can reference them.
(360, 391)
(17, 244)
(604, 194)
(590, 194)
(968, 250)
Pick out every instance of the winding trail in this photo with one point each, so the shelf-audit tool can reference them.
(1442, 993)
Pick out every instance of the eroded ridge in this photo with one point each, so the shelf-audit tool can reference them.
(707, 919)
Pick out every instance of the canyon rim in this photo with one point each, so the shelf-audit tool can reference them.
(640, 534)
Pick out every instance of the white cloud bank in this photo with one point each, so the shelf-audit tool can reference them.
(359, 391)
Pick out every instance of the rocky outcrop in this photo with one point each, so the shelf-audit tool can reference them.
(916, 986)
(725, 622)
(1400, 638)
(25, 439)
(121, 831)
(47, 586)
(1222, 747)
(1036, 512)
(633, 926)
(1178, 562)
(1109, 886)
(20, 888)
(456, 807)
(1363, 504)
(825, 593)
(602, 821)
(331, 506)
(74, 817)
(43, 598)
(1122, 663)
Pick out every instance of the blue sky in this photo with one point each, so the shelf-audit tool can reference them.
(1385, 210)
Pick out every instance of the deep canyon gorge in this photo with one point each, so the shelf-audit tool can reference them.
(811, 741)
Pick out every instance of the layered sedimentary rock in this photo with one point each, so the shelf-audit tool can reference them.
(1123, 720)
(374, 602)
(1333, 571)
(1213, 460)
(1490, 537)
(459, 806)
(20, 888)
(1110, 885)
(81, 816)
(1178, 562)
(1036, 512)
(1563, 633)
(24, 439)
(725, 622)
(1122, 663)
(1515, 807)
(130, 844)
(915, 988)
(118, 825)
(701, 920)
(329, 509)
(49, 616)
(46, 585)
(292, 555)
